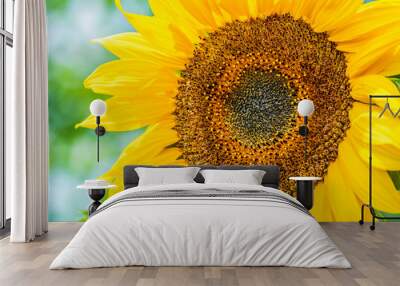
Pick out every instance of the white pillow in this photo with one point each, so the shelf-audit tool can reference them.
(166, 176)
(248, 177)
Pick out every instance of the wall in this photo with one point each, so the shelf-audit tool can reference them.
(192, 89)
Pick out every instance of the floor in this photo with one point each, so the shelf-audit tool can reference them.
(375, 257)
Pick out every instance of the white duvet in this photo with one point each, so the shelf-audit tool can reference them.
(200, 231)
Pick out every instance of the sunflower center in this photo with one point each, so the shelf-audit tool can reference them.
(260, 107)
(237, 97)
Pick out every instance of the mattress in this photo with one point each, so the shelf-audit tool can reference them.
(201, 225)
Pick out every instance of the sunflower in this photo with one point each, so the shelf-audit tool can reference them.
(218, 81)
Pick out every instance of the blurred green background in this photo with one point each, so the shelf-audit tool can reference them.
(72, 24)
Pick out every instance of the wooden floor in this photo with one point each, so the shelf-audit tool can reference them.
(375, 257)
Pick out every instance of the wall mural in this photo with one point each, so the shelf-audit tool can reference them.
(217, 82)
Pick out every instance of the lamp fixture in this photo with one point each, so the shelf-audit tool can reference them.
(305, 108)
(98, 108)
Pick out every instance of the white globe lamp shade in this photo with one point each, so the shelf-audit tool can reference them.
(305, 107)
(98, 107)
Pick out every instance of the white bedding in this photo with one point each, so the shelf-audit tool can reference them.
(200, 231)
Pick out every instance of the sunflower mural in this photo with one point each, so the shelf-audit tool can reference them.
(218, 81)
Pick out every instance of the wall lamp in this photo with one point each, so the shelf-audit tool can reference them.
(98, 108)
(305, 108)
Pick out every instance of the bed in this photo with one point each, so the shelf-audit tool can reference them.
(199, 224)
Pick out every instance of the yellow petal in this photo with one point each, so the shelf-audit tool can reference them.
(202, 11)
(333, 199)
(149, 145)
(392, 68)
(134, 47)
(372, 19)
(364, 86)
(265, 7)
(166, 157)
(326, 15)
(220, 15)
(238, 9)
(182, 42)
(385, 137)
(322, 15)
(345, 188)
(174, 12)
(151, 148)
(385, 196)
(372, 39)
(129, 113)
(170, 157)
(374, 56)
(322, 209)
(297, 8)
(255, 8)
(131, 77)
(156, 31)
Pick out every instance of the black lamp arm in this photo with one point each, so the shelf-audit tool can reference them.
(100, 131)
(305, 120)
(303, 131)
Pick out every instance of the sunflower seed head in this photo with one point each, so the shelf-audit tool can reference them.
(236, 100)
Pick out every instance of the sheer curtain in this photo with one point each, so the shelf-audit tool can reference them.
(27, 122)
